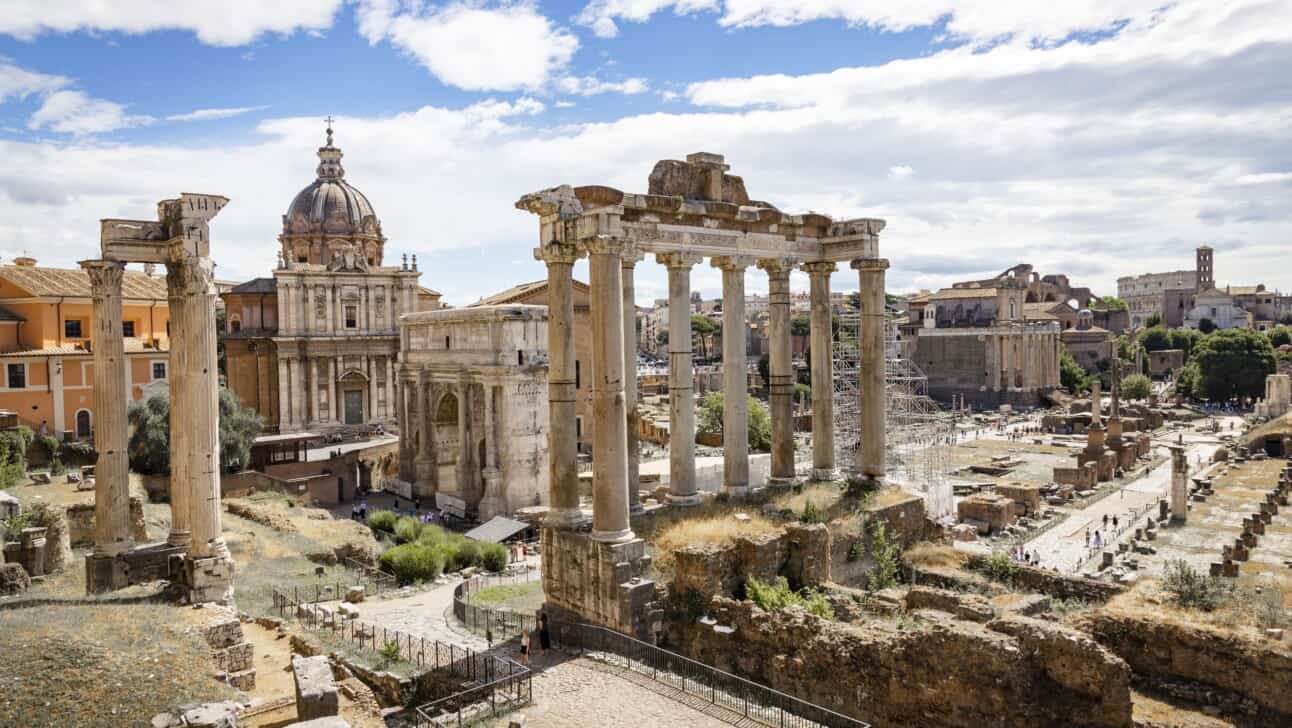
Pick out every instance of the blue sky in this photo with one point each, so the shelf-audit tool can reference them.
(1096, 139)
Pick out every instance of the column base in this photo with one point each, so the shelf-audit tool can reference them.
(780, 482)
(181, 539)
(682, 500)
(636, 509)
(567, 518)
(824, 474)
(736, 491)
(140, 565)
(620, 536)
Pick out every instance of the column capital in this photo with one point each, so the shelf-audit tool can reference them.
(819, 268)
(105, 276)
(777, 267)
(870, 264)
(190, 276)
(604, 245)
(678, 259)
(732, 262)
(555, 253)
(632, 255)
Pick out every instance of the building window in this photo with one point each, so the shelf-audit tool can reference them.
(159, 370)
(520, 358)
(578, 375)
(72, 328)
(128, 329)
(17, 376)
(351, 317)
(446, 342)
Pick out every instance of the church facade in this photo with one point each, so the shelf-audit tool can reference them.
(315, 347)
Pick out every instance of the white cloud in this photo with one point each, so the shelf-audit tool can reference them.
(500, 47)
(228, 23)
(590, 86)
(20, 83)
(210, 114)
(75, 112)
(600, 15)
(900, 171)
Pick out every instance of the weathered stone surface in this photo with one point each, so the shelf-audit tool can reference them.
(243, 680)
(971, 607)
(212, 715)
(316, 694)
(354, 594)
(13, 579)
(223, 629)
(234, 658)
(332, 721)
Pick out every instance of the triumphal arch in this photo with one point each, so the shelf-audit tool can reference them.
(195, 554)
(693, 210)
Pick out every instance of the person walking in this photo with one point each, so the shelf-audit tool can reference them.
(1105, 520)
(524, 647)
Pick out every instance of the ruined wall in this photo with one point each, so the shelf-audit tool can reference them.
(1161, 648)
(80, 523)
(1012, 672)
(802, 554)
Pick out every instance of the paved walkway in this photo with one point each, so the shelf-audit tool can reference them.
(1063, 547)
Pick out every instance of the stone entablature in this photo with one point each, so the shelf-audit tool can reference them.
(475, 409)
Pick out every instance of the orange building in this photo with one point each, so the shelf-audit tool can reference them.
(46, 365)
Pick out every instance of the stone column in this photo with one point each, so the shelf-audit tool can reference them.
(822, 372)
(492, 503)
(466, 437)
(1096, 405)
(1179, 484)
(370, 370)
(390, 385)
(871, 362)
(609, 413)
(179, 371)
(425, 465)
(284, 400)
(628, 263)
(681, 381)
(332, 370)
(298, 390)
(406, 433)
(310, 378)
(111, 470)
(561, 433)
(780, 390)
(210, 566)
(735, 384)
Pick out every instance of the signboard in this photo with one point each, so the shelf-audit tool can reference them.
(451, 504)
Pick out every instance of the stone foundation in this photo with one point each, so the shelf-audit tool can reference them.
(316, 694)
(801, 554)
(991, 513)
(601, 583)
(140, 565)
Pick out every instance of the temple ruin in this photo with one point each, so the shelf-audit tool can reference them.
(195, 553)
(693, 210)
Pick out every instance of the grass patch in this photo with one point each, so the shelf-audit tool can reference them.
(101, 665)
(776, 595)
(511, 596)
(711, 531)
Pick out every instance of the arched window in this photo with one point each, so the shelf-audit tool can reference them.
(83, 424)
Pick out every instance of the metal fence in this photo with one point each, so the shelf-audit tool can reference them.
(502, 624)
(504, 686)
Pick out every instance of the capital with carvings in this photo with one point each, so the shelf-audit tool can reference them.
(632, 254)
(777, 267)
(870, 264)
(732, 262)
(603, 245)
(819, 268)
(678, 259)
(105, 277)
(555, 253)
(190, 276)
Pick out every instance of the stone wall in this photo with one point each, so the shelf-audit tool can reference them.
(1083, 477)
(1027, 578)
(1167, 649)
(80, 523)
(801, 554)
(1012, 672)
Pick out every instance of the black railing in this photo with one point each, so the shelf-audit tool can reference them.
(722, 689)
(501, 623)
(505, 686)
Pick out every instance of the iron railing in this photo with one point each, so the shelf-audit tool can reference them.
(502, 624)
(504, 685)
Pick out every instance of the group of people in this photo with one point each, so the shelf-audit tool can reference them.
(1023, 556)
(1098, 541)
(526, 640)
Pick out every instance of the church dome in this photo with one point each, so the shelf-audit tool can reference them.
(330, 216)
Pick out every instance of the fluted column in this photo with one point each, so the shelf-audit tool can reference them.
(561, 432)
(425, 465)
(111, 470)
(780, 389)
(735, 389)
(682, 490)
(628, 263)
(609, 413)
(284, 399)
(870, 455)
(180, 367)
(390, 385)
(822, 372)
(311, 380)
(332, 370)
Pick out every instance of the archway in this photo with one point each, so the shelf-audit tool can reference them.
(83, 425)
(447, 439)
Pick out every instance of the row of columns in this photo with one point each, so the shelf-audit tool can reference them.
(299, 315)
(1023, 358)
(298, 387)
(417, 409)
(194, 408)
(614, 383)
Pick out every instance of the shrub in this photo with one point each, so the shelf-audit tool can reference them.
(52, 450)
(493, 557)
(407, 529)
(1190, 589)
(772, 596)
(411, 563)
(999, 567)
(886, 555)
(860, 488)
(468, 554)
(812, 514)
(13, 526)
(390, 651)
(383, 521)
(433, 535)
(13, 454)
(149, 445)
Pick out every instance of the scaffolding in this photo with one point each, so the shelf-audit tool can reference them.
(919, 433)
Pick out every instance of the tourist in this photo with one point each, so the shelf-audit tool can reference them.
(1105, 520)
(544, 634)
(363, 511)
(1114, 523)
(1087, 538)
(489, 637)
(44, 428)
(524, 646)
(397, 506)
(354, 512)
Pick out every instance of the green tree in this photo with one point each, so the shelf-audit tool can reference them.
(759, 422)
(1286, 319)
(1187, 381)
(1185, 340)
(1112, 303)
(149, 445)
(801, 325)
(661, 337)
(1071, 375)
(1280, 335)
(702, 328)
(765, 369)
(1153, 320)
(1155, 338)
(1136, 386)
(1233, 363)
(1206, 325)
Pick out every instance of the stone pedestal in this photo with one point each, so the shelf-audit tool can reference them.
(562, 432)
(1179, 485)
(601, 583)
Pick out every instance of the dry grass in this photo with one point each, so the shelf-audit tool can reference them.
(101, 665)
(1238, 615)
(718, 530)
(934, 556)
(822, 495)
